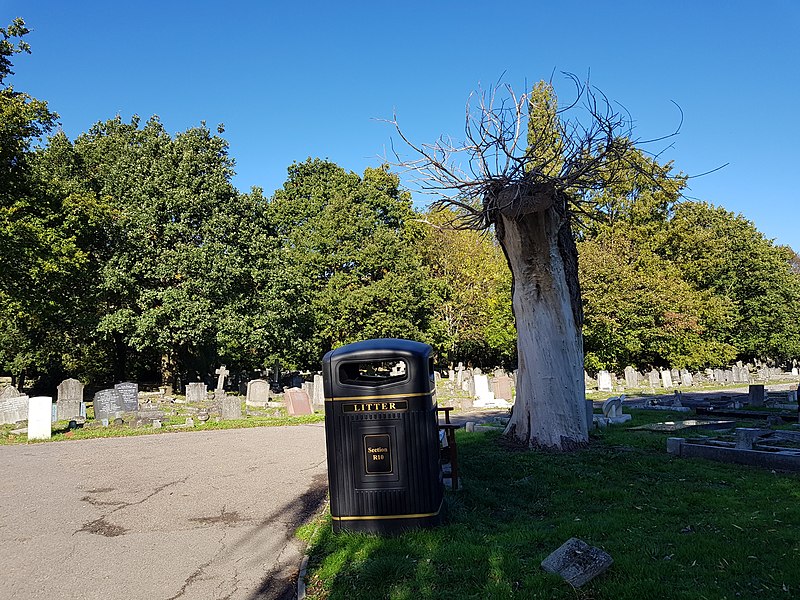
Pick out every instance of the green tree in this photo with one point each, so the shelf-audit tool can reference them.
(473, 289)
(174, 255)
(350, 245)
(40, 236)
(724, 254)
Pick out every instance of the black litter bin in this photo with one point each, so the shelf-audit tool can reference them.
(382, 436)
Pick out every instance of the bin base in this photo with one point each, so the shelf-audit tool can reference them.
(382, 524)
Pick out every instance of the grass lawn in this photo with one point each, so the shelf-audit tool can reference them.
(676, 528)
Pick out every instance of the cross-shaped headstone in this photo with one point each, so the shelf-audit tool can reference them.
(223, 373)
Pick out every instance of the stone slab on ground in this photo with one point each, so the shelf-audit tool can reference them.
(577, 562)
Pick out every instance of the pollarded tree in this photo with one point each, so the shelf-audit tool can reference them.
(527, 169)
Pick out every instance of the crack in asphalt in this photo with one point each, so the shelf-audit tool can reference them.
(103, 527)
(198, 572)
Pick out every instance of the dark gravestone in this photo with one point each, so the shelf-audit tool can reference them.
(756, 393)
(130, 396)
(107, 403)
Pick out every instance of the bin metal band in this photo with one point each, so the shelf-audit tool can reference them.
(385, 517)
(384, 397)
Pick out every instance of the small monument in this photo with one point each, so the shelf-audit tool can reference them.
(257, 393)
(219, 391)
(108, 404)
(231, 408)
(130, 395)
(298, 402)
(13, 406)
(666, 378)
(70, 397)
(40, 418)
(196, 392)
(604, 381)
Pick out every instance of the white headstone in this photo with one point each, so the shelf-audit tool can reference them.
(257, 392)
(318, 401)
(631, 377)
(604, 381)
(654, 378)
(666, 378)
(40, 418)
(484, 397)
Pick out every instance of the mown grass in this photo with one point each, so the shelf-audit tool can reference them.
(61, 432)
(676, 528)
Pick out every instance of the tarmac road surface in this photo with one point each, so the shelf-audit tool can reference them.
(207, 515)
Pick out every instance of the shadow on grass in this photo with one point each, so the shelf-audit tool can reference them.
(675, 528)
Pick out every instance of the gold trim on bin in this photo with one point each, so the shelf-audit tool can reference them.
(384, 517)
(384, 397)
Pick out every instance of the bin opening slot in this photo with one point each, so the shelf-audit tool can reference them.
(373, 372)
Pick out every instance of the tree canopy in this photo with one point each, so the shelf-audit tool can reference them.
(128, 252)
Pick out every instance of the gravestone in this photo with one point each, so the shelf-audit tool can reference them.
(727, 377)
(631, 377)
(459, 375)
(588, 382)
(130, 395)
(501, 386)
(196, 392)
(107, 404)
(481, 389)
(40, 418)
(744, 374)
(666, 378)
(604, 381)
(219, 391)
(686, 378)
(318, 399)
(654, 379)
(13, 406)
(719, 376)
(70, 397)
(231, 407)
(577, 562)
(257, 392)
(298, 402)
(612, 407)
(756, 394)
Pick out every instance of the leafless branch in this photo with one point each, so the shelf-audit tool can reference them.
(509, 161)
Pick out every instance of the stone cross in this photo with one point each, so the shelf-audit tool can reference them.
(223, 373)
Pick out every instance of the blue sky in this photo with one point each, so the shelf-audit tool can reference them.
(293, 80)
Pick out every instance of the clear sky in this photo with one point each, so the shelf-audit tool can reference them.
(297, 79)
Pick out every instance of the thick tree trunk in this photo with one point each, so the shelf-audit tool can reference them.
(550, 407)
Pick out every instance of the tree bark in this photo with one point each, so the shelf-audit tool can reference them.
(550, 407)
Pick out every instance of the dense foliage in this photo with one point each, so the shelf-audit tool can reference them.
(129, 253)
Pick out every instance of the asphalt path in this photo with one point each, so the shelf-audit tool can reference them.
(207, 515)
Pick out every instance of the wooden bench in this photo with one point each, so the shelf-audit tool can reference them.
(450, 435)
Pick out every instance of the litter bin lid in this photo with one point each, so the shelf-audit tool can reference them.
(337, 367)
